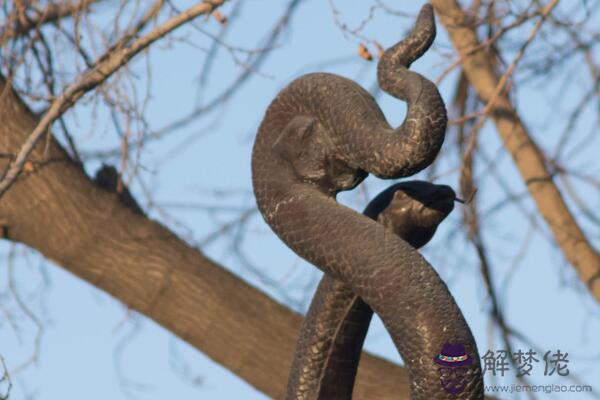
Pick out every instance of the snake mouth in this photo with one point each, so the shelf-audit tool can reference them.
(444, 204)
(442, 199)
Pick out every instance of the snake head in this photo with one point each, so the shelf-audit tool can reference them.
(306, 148)
(413, 209)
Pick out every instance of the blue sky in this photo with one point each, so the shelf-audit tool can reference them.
(94, 348)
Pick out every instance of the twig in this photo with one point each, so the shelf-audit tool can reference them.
(51, 14)
(109, 63)
(5, 378)
(253, 63)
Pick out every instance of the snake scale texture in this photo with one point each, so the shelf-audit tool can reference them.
(332, 335)
(323, 134)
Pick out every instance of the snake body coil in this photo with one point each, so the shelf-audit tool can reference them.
(334, 329)
(323, 134)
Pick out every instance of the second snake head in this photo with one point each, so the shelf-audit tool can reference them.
(412, 209)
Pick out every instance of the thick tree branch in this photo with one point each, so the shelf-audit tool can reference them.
(54, 208)
(527, 156)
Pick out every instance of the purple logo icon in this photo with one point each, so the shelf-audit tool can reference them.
(453, 363)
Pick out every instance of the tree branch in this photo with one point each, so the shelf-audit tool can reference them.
(528, 158)
(104, 68)
(52, 13)
(57, 210)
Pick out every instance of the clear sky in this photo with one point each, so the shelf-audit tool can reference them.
(93, 348)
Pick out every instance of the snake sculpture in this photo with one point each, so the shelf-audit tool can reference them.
(323, 134)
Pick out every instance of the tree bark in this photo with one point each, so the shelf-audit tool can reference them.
(54, 208)
(527, 156)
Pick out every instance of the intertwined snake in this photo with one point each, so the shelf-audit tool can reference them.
(323, 134)
(333, 332)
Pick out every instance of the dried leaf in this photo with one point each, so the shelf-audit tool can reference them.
(28, 167)
(220, 18)
(363, 52)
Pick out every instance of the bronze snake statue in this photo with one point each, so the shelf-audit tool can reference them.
(323, 134)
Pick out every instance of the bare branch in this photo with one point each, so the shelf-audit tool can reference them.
(5, 380)
(108, 64)
(527, 156)
(51, 14)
